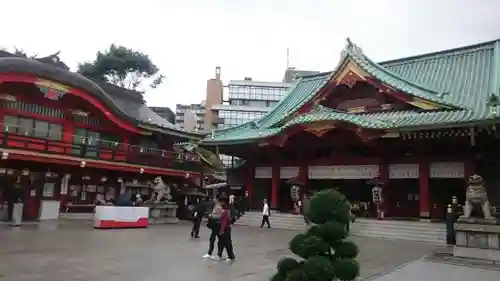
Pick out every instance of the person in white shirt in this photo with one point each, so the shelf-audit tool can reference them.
(265, 215)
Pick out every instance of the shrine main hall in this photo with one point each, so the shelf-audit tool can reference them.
(420, 125)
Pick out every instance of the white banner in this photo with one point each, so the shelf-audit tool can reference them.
(344, 172)
(263, 172)
(403, 171)
(447, 170)
(321, 172)
(120, 214)
(289, 172)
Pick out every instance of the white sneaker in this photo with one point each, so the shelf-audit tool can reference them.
(216, 258)
(206, 256)
(228, 260)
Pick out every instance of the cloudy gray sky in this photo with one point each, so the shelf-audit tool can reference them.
(188, 38)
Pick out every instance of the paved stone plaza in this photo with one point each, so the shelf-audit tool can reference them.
(431, 271)
(74, 251)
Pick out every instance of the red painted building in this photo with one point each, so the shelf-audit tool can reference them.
(67, 141)
(421, 125)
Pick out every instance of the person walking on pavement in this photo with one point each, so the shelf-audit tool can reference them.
(198, 213)
(265, 215)
(225, 240)
(214, 225)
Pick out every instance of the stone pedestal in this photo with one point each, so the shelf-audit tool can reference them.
(478, 239)
(162, 212)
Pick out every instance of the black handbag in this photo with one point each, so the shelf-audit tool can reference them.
(210, 223)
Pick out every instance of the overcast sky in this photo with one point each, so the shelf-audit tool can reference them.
(188, 38)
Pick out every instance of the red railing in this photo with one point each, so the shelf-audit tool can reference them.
(14, 137)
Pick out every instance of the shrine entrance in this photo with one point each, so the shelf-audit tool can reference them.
(403, 198)
(441, 192)
(357, 191)
(285, 202)
(261, 191)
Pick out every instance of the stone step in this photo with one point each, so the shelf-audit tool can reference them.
(389, 229)
(403, 230)
(365, 222)
(387, 235)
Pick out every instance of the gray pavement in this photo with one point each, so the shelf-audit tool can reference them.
(422, 270)
(74, 251)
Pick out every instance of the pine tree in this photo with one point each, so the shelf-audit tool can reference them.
(325, 253)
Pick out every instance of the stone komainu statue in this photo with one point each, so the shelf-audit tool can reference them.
(476, 197)
(160, 191)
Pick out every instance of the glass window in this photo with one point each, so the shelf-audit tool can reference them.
(55, 132)
(48, 189)
(92, 139)
(79, 140)
(10, 123)
(107, 140)
(41, 129)
(25, 127)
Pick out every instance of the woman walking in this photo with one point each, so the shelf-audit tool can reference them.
(225, 240)
(214, 225)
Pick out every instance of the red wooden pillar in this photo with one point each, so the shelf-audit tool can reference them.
(250, 170)
(469, 169)
(383, 172)
(275, 185)
(303, 177)
(423, 171)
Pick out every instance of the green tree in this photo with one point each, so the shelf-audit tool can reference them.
(325, 253)
(122, 67)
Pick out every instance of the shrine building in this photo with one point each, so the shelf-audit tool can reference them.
(68, 141)
(421, 125)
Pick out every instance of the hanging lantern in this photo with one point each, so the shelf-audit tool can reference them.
(295, 192)
(377, 195)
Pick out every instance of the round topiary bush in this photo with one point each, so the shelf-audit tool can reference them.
(325, 253)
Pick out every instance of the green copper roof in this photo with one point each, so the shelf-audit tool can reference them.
(462, 80)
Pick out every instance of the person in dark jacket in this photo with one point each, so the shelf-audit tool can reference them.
(225, 241)
(198, 212)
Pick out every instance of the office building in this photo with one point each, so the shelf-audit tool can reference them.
(248, 100)
(190, 117)
(165, 113)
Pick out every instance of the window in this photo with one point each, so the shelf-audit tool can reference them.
(32, 127)
(107, 140)
(25, 126)
(55, 132)
(41, 129)
(48, 189)
(92, 139)
(10, 123)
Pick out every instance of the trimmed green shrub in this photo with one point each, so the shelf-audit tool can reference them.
(325, 253)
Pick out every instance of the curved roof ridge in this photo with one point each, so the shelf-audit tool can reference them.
(317, 74)
(394, 75)
(288, 96)
(21, 65)
(357, 54)
(447, 52)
